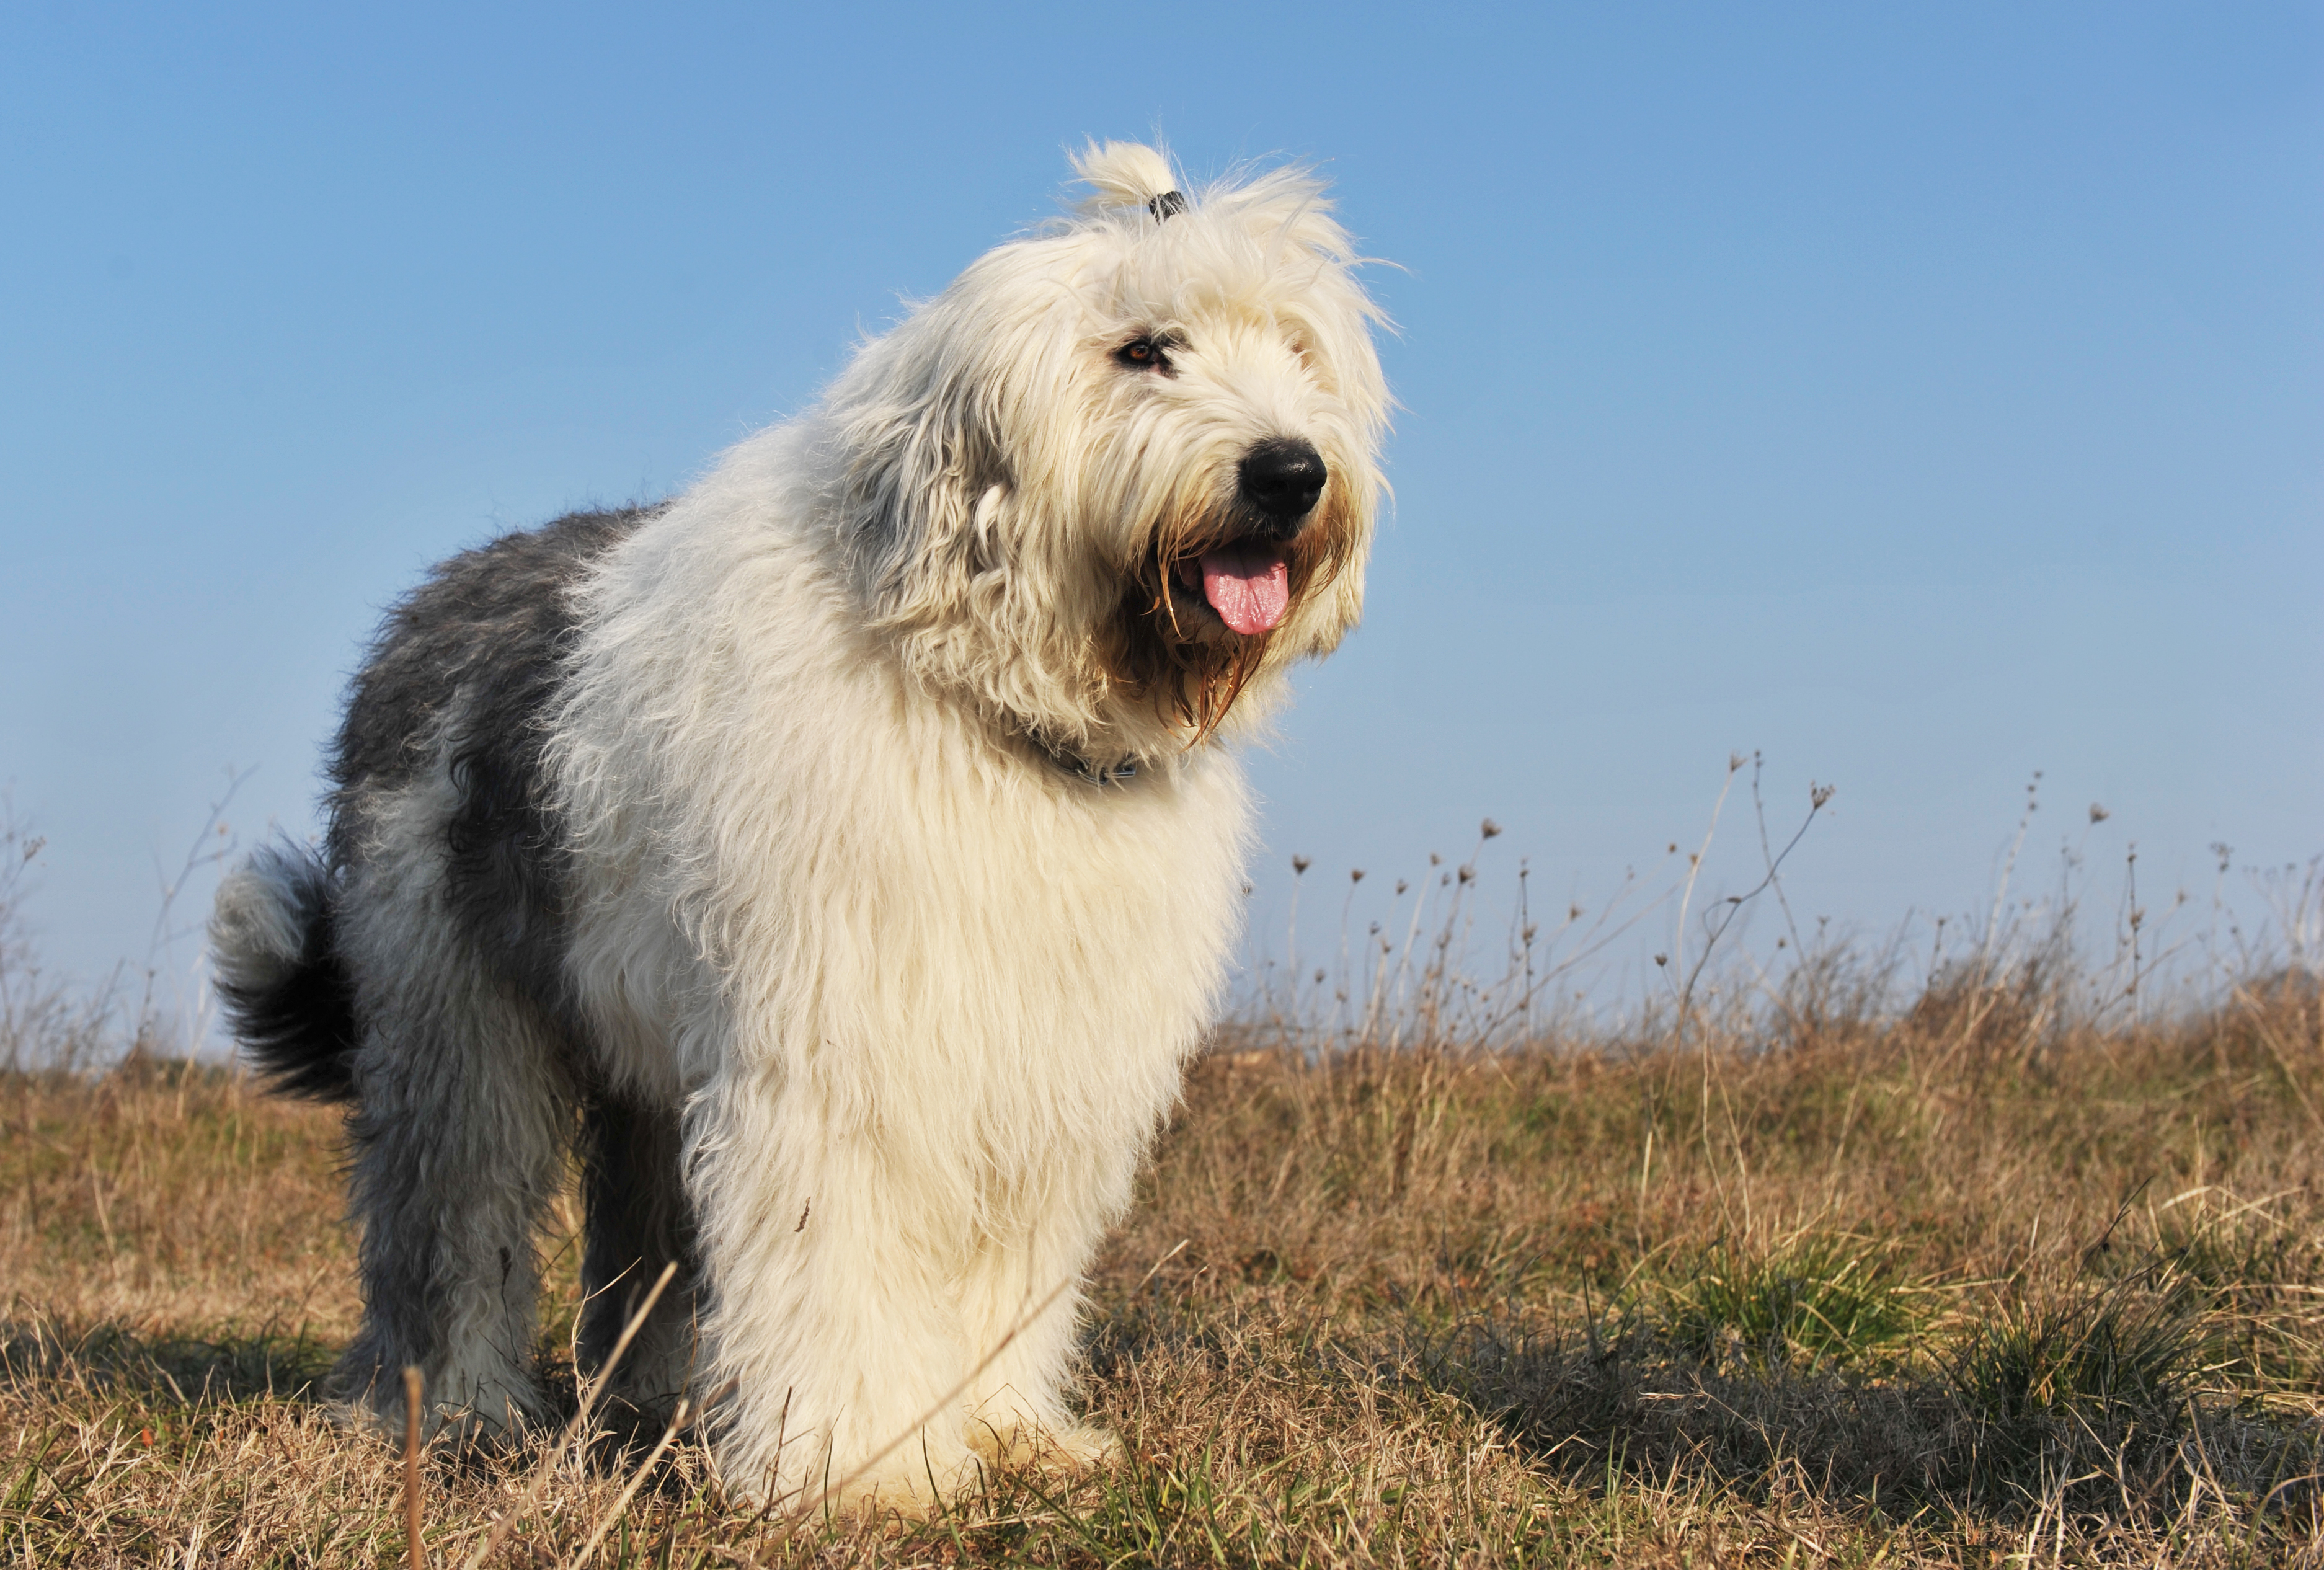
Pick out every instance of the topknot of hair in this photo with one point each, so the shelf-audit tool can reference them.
(1127, 174)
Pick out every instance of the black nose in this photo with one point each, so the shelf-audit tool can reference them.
(1282, 478)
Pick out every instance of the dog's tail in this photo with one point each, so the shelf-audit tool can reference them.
(279, 972)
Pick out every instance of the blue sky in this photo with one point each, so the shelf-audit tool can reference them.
(1920, 396)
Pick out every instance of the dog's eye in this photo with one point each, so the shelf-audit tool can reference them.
(1143, 355)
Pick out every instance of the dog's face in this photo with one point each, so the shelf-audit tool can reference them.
(1120, 473)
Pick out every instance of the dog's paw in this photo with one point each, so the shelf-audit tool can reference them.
(462, 1429)
(1077, 1448)
(1085, 1447)
(876, 1495)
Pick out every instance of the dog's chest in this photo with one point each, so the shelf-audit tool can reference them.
(793, 857)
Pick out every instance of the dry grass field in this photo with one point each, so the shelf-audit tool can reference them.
(1964, 1284)
(2014, 1265)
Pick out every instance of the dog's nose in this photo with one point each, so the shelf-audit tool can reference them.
(1283, 478)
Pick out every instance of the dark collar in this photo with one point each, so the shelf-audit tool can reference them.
(1084, 770)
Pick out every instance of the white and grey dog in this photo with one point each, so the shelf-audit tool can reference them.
(840, 858)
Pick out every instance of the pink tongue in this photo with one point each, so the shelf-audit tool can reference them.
(1250, 590)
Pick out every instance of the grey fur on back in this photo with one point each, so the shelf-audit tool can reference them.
(462, 675)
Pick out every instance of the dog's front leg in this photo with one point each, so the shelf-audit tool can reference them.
(830, 1335)
(1020, 1297)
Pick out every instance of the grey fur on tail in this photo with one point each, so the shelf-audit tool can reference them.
(280, 976)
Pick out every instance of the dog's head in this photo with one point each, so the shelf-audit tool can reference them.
(1123, 471)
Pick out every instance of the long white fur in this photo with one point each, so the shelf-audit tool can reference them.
(922, 994)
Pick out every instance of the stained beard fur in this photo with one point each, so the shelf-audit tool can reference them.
(1194, 682)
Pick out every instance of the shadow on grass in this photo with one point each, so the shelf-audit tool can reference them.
(2090, 1400)
(166, 1379)
(284, 1366)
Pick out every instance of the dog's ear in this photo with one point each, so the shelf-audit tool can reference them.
(925, 473)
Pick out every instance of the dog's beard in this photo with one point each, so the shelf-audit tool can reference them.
(1204, 603)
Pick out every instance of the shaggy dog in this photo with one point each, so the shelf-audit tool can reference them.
(841, 858)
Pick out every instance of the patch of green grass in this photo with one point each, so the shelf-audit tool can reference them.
(2096, 1377)
(1808, 1299)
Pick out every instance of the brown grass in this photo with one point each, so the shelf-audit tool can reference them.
(1967, 1285)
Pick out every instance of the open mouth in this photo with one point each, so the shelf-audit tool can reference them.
(1247, 583)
